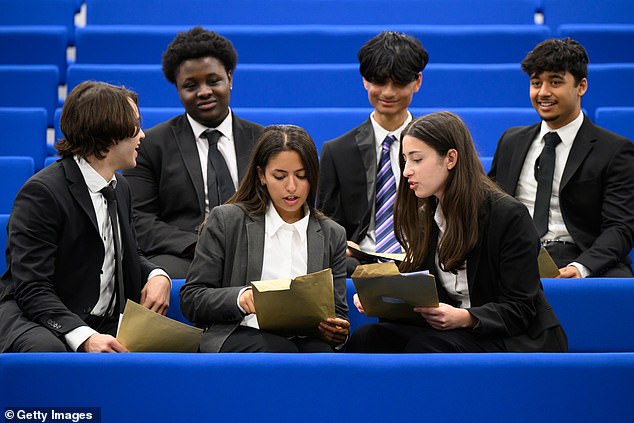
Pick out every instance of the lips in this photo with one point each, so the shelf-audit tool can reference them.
(291, 199)
(206, 105)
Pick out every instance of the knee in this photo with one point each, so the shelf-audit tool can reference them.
(364, 338)
(38, 341)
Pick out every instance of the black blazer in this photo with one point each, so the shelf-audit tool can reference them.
(347, 180)
(55, 253)
(229, 256)
(503, 277)
(596, 193)
(167, 184)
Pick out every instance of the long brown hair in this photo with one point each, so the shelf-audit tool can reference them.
(252, 195)
(466, 189)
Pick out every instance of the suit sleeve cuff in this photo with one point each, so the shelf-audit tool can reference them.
(159, 272)
(583, 270)
(78, 336)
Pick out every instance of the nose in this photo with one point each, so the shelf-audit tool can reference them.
(544, 90)
(141, 135)
(291, 185)
(204, 91)
(389, 89)
(406, 170)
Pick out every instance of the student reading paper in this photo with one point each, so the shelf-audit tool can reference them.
(479, 243)
(267, 230)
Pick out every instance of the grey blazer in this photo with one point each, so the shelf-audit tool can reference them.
(229, 256)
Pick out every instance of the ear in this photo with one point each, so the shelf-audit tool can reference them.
(452, 158)
(419, 81)
(230, 79)
(261, 176)
(582, 87)
(366, 84)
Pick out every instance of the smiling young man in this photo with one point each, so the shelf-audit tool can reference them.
(578, 183)
(358, 164)
(193, 162)
(64, 287)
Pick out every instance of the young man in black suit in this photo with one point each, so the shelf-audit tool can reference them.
(68, 273)
(391, 66)
(179, 178)
(577, 184)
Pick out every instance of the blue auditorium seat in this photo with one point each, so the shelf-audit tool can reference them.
(40, 12)
(282, 12)
(616, 119)
(486, 163)
(325, 85)
(30, 86)
(301, 44)
(558, 12)
(4, 220)
(14, 171)
(174, 309)
(605, 43)
(23, 133)
(50, 160)
(34, 45)
(609, 85)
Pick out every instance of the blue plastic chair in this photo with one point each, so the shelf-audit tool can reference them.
(30, 86)
(14, 172)
(24, 133)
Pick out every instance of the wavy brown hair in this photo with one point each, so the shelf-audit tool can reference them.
(466, 189)
(254, 197)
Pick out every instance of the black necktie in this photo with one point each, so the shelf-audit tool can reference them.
(219, 183)
(544, 175)
(109, 195)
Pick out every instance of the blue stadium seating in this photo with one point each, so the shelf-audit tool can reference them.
(14, 171)
(50, 160)
(605, 43)
(326, 85)
(40, 12)
(558, 12)
(301, 44)
(281, 12)
(617, 119)
(609, 85)
(4, 220)
(34, 45)
(30, 86)
(23, 133)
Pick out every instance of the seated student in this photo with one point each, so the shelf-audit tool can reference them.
(267, 230)
(179, 177)
(480, 244)
(575, 178)
(68, 272)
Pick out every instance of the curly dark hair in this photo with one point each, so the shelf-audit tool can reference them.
(194, 44)
(557, 55)
(392, 55)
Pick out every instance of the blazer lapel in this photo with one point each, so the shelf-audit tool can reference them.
(243, 140)
(367, 148)
(315, 245)
(473, 258)
(255, 246)
(186, 142)
(581, 147)
(517, 160)
(79, 190)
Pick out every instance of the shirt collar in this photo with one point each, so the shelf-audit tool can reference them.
(273, 222)
(439, 218)
(380, 133)
(93, 179)
(567, 133)
(225, 127)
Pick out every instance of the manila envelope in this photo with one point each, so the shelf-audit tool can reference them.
(143, 330)
(363, 255)
(294, 306)
(386, 293)
(547, 267)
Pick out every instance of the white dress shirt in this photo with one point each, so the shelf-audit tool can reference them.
(456, 285)
(226, 146)
(285, 252)
(369, 242)
(527, 184)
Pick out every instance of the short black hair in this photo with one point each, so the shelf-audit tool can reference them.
(392, 55)
(194, 44)
(557, 55)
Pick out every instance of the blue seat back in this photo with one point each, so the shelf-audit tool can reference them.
(558, 12)
(605, 43)
(40, 12)
(609, 85)
(14, 172)
(30, 86)
(24, 133)
(616, 119)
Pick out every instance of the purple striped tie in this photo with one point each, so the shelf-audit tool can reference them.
(385, 195)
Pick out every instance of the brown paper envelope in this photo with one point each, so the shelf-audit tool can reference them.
(547, 267)
(395, 296)
(364, 255)
(294, 308)
(143, 330)
(373, 270)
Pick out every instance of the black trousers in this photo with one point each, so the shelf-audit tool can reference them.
(247, 339)
(389, 337)
(564, 254)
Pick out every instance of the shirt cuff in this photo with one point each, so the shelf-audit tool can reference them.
(78, 336)
(238, 300)
(159, 272)
(585, 272)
